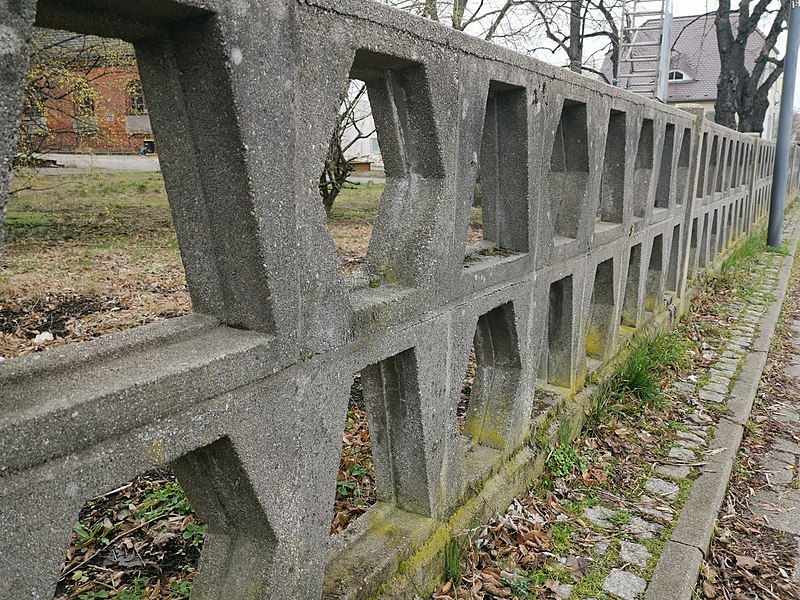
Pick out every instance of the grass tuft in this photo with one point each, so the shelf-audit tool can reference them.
(636, 384)
(453, 553)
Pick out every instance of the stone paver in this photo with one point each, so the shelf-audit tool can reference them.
(600, 516)
(674, 471)
(715, 387)
(682, 386)
(700, 418)
(563, 591)
(710, 396)
(602, 545)
(690, 437)
(660, 487)
(721, 381)
(780, 467)
(679, 453)
(688, 445)
(784, 445)
(624, 585)
(779, 509)
(639, 528)
(633, 553)
(784, 414)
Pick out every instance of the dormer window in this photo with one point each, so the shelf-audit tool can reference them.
(678, 75)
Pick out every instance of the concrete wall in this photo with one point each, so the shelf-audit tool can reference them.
(608, 204)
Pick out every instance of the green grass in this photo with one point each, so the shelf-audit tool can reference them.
(114, 207)
(521, 585)
(453, 553)
(736, 270)
(160, 500)
(357, 203)
(561, 537)
(106, 209)
(564, 460)
(636, 384)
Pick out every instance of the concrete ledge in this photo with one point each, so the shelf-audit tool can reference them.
(744, 390)
(676, 572)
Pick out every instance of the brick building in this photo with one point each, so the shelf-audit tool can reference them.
(83, 95)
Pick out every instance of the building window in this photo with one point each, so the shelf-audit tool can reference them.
(33, 109)
(84, 104)
(136, 103)
(677, 75)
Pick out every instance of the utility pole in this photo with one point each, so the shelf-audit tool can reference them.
(780, 174)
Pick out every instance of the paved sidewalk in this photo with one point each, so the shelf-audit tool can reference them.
(78, 164)
(779, 503)
(755, 549)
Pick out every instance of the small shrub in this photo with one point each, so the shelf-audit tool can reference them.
(565, 460)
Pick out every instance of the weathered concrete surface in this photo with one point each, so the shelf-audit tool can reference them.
(624, 585)
(607, 204)
(676, 573)
(16, 19)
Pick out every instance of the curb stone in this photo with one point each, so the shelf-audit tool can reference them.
(675, 575)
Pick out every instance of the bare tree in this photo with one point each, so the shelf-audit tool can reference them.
(487, 21)
(567, 24)
(483, 18)
(742, 94)
(350, 123)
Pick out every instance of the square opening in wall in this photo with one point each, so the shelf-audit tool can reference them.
(711, 171)
(664, 184)
(612, 186)
(693, 248)
(631, 308)
(702, 171)
(398, 121)
(352, 178)
(556, 363)
(674, 260)
(383, 444)
(643, 169)
(683, 166)
(569, 171)
(491, 381)
(499, 207)
(600, 323)
(355, 481)
(133, 540)
(703, 258)
(654, 287)
(724, 155)
(94, 251)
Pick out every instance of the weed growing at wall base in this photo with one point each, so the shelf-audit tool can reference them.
(453, 553)
(637, 382)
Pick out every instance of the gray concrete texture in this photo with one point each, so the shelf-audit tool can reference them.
(609, 203)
